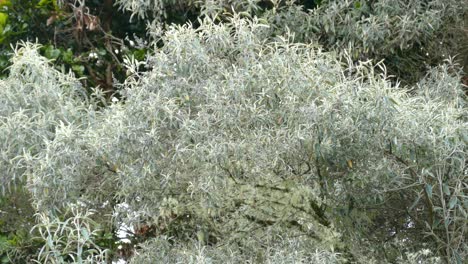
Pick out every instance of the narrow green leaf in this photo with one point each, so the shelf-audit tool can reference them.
(429, 190)
(460, 208)
(393, 100)
(458, 257)
(414, 203)
(317, 150)
(413, 155)
(428, 226)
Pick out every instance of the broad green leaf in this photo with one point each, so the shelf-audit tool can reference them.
(5, 259)
(453, 201)
(51, 52)
(3, 19)
(101, 52)
(447, 222)
(67, 56)
(446, 189)
(42, 3)
(78, 69)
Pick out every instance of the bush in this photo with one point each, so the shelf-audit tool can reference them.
(232, 143)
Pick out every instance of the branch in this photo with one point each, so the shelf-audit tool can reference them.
(429, 204)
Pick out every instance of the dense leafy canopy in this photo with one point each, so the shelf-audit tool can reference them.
(261, 132)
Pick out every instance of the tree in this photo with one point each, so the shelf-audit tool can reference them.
(233, 144)
(410, 36)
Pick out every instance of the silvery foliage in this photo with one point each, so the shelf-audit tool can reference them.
(34, 100)
(375, 27)
(286, 251)
(158, 8)
(225, 91)
(71, 240)
(409, 34)
(383, 26)
(233, 90)
(196, 132)
(142, 8)
(37, 106)
(232, 141)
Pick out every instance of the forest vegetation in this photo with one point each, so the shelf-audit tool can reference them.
(233, 131)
